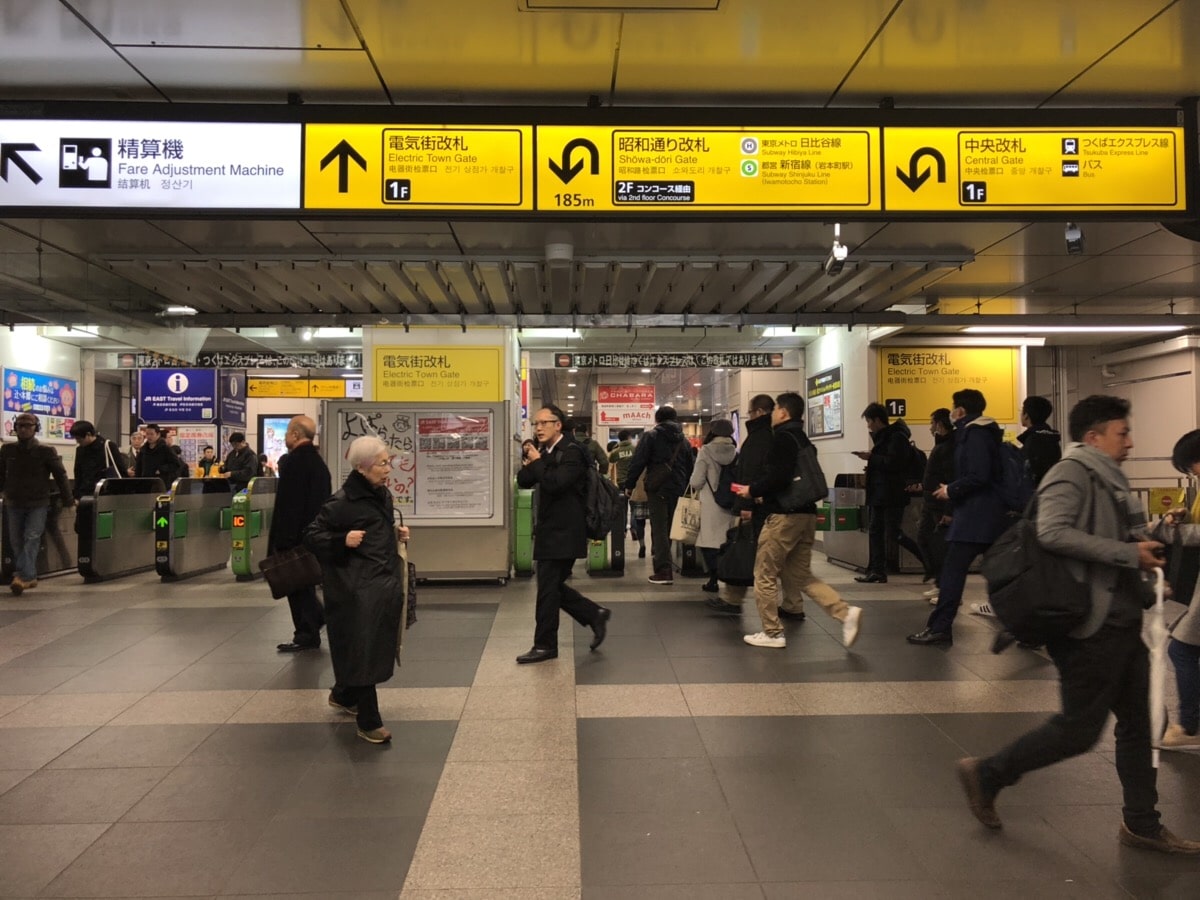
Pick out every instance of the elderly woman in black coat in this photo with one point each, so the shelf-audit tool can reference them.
(354, 537)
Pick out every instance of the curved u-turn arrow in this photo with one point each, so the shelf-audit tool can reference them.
(912, 179)
(565, 171)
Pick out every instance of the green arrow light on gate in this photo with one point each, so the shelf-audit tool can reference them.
(161, 521)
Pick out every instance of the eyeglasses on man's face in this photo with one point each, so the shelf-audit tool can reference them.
(25, 424)
(537, 423)
(381, 463)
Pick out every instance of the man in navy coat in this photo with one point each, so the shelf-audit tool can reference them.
(304, 484)
(557, 467)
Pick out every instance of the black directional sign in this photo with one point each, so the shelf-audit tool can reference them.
(12, 153)
(566, 170)
(343, 153)
(915, 176)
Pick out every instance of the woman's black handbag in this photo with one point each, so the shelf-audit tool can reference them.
(735, 565)
(291, 570)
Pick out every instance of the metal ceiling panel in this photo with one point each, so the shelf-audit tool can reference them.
(1018, 52)
(220, 23)
(249, 236)
(98, 236)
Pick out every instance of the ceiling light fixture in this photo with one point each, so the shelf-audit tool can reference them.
(179, 311)
(836, 261)
(306, 333)
(1070, 329)
(572, 371)
(645, 371)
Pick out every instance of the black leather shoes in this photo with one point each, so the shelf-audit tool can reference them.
(1002, 641)
(536, 655)
(871, 578)
(931, 637)
(981, 801)
(717, 605)
(600, 627)
(293, 647)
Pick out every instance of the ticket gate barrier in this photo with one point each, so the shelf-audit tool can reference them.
(57, 552)
(250, 527)
(522, 532)
(116, 528)
(191, 528)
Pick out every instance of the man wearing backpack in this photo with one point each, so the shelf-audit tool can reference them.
(887, 489)
(786, 540)
(666, 457)
(557, 467)
(978, 510)
(1087, 515)
(1040, 443)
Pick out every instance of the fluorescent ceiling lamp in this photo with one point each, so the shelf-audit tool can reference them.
(292, 375)
(572, 371)
(645, 371)
(1069, 329)
(352, 374)
(884, 331)
(180, 311)
(553, 333)
(82, 332)
(570, 384)
(334, 332)
(772, 331)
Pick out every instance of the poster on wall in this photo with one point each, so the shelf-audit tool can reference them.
(52, 398)
(272, 429)
(625, 405)
(824, 397)
(454, 454)
(192, 439)
(925, 378)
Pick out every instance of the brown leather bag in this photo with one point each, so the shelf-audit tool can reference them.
(291, 570)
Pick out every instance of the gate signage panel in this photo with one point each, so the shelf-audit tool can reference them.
(1076, 170)
(177, 395)
(418, 167)
(733, 169)
(159, 165)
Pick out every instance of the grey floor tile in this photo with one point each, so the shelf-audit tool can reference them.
(981, 734)
(662, 848)
(9, 616)
(1093, 830)
(32, 855)
(1164, 886)
(295, 855)
(109, 679)
(10, 778)
(32, 748)
(602, 668)
(786, 737)
(1073, 888)
(666, 784)
(422, 647)
(412, 742)
(638, 738)
(436, 673)
(362, 792)
(218, 793)
(305, 671)
(451, 626)
(22, 679)
(882, 735)
(859, 890)
(673, 892)
(76, 796)
(115, 746)
(756, 785)
(157, 859)
(277, 744)
(224, 676)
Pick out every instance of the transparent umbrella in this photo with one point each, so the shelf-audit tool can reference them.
(1155, 635)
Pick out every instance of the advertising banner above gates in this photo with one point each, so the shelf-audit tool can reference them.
(665, 168)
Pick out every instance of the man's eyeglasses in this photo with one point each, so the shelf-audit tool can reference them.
(25, 424)
(545, 421)
(382, 462)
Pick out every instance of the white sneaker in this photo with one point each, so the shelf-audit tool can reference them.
(982, 609)
(1175, 736)
(932, 592)
(762, 639)
(933, 601)
(850, 626)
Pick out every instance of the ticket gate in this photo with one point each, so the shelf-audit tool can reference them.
(56, 554)
(250, 527)
(522, 532)
(116, 528)
(191, 528)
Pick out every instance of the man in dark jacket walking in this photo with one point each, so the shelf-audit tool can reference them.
(94, 456)
(304, 484)
(887, 465)
(557, 467)
(786, 540)
(1040, 443)
(939, 470)
(26, 467)
(241, 464)
(665, 453)
(156, 459)
(979, 514)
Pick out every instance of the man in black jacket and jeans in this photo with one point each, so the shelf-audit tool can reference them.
(665, 446)
(304, 484)
(786, 540)
(94, 456)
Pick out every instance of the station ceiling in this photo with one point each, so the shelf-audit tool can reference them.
(799, 56)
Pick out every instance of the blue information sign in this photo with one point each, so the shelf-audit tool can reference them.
(231, 399)
(177, 395)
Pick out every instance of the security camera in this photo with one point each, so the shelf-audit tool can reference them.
(1074, 238)
(836, 261)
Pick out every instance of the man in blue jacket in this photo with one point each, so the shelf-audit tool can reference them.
(979, 514)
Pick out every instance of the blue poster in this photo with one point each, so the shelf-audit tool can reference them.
(231, 400)
(46, 395)
(177, 395)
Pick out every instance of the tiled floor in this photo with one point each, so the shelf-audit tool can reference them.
(154, 744)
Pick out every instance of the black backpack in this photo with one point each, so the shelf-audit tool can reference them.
(808, 483)
(603, 502)
(914, 472)
(723, 493)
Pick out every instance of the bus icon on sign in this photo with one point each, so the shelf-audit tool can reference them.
(1070, 169)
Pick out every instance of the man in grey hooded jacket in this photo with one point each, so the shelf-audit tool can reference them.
(1087, 515)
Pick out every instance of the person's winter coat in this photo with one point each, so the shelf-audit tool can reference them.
(752, 460)
(26, 468)
(91, 465)
(939, 467)
(714, 521)
(304, 485)
(159, 461)
(788, 439)
(1187, 626)
(1042, 446)
(975, 502)
(363, 585)
(241, 465)
(659, 446)
(560, 477)
(891, 452)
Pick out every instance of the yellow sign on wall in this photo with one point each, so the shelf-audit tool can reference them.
(418, 167)
(630, 169)
(437, 374)
(982, 170)
(276, 387)
(925, 378)
(326, 387)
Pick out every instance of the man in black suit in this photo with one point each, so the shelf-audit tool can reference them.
(304, 485)
(557, 467)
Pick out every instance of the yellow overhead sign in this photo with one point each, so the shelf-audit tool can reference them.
(276, 387)
(627, 169)
(439, 374)
(1084, 170)
(418, 167)
(922, 379)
